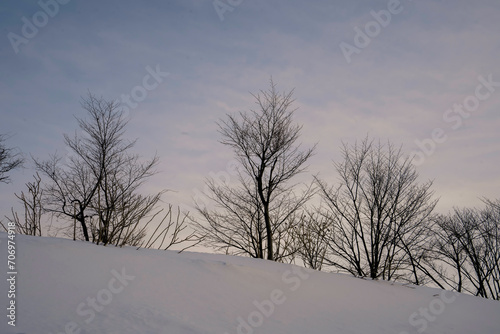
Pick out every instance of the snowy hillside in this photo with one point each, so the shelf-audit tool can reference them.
(64, 286)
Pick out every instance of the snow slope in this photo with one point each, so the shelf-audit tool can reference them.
(63, 286)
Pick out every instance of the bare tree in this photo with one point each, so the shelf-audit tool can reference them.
(97, 184)
(69, 191)
(236, 226)
(416, 246)
(376, 212)
(310, 236)
(9, 160)
(445, 258)
(256, 215)
(118, 204)
(33, 209)
(467, 250)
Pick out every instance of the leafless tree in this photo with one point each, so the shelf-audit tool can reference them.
(445, 258)
(118, 203)
(376, 212)
(9, 160)
(33, 209)
(69, 191)
(468, 250)
(255, 214)
(310, 236)
(236, 226)
(97, 183)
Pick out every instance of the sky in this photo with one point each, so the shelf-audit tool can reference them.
(422, 74)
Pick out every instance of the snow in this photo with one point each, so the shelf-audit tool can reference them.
(65, 286)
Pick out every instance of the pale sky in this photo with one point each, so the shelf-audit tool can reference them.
(401, 78)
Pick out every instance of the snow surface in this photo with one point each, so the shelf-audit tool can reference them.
(65, 286)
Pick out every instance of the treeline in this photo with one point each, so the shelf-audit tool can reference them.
(376, 220)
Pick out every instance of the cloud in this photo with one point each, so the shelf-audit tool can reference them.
(397, 88)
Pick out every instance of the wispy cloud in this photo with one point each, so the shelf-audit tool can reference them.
(397, 88)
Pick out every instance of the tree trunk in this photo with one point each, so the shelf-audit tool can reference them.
(81, 219)
(270, 250)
